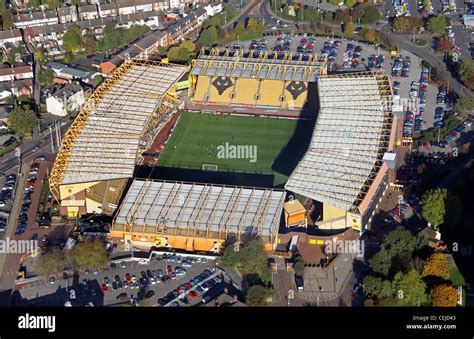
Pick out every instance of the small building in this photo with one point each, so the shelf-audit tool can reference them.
(65, 100)
(107, 10)
(12, 36)
(126, 7)
(295, 214)
(143, 5)
(16, 73)
(5, 112)
(38, 18)
(468, 20)
(65, 72)
(16, 88)
(88, 12)
(67, 14)
(213, 9)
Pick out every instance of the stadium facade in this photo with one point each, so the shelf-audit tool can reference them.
(343, 170)
(196, 217)
(101, 149)
(228, 80)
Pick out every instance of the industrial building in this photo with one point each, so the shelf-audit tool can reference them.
(343, 170)
(196, 217)
(103, 145)
(240, 79)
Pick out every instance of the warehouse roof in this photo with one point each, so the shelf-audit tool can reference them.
(352, 133)
(199, 209)
(107, 146)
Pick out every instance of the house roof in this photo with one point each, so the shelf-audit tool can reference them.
(15, 70)
(66, 10)
(87, 8)
(67, 90)
(10, 34)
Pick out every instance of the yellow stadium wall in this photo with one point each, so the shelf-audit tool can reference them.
(331, 212)
(270, 92)
(202, 86)
(295, 103)
(216, 98)
(245, 91)
(354, 221)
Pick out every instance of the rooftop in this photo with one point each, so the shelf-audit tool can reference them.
(349, 140)
(214, 64)
(107, 145)
(203, 209)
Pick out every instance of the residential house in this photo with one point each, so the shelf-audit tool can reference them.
(12, 36)
(68, 98)
(5, 111)
(67, 14)
(65, 72)
(143, 48)
(213, 8)
(16, 73)
(161, 5)
(201, 15)
(126, 6)
(16, 88)
(144, 5)
(88, 12)
(39, 18)
(107, 9)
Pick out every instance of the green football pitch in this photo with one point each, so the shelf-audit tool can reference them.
(238, 144)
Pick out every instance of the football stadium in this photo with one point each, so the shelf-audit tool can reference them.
(252, 133)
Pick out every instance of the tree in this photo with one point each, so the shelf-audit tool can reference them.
(34, 3)
(7, 20)
(39, 55)
(50, 264)
(443, 45)
(232, 256)
(89, 43)
(377, 287)
(213, 34)
(22, 120)
(409, 289)
(369, 35)
(205, 39)
(254, 260)
(90, 254)
(437, 265)
(427, 5)
(257, 296)
(239, 28)
(466, 70)
(370, 16)
(260, 26)
(72, 40)
(395, 252)
(445, 296)
(465, 105)
(437, 24)
(53, 3)
(189, 45)
(401, 24)
(252, 24)
(433, 206)
(350, 3)
(46, 77)
(349, 29)
(298, 265)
